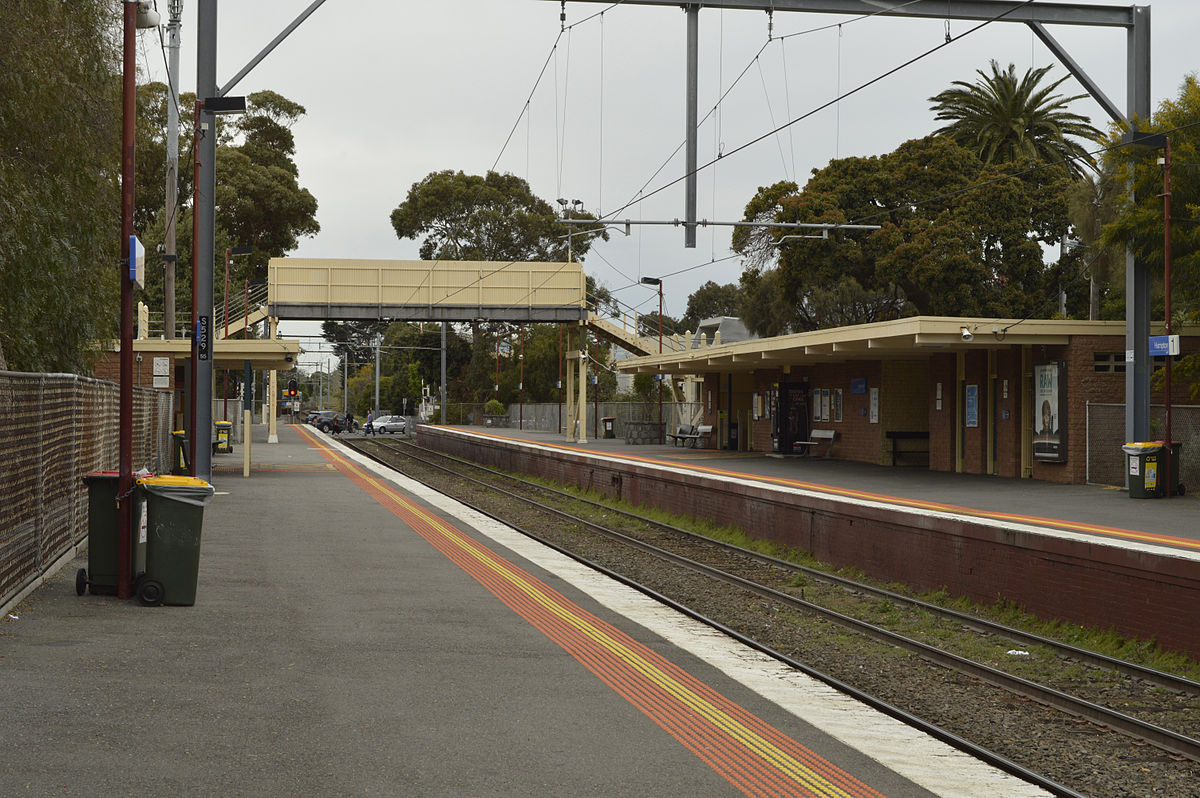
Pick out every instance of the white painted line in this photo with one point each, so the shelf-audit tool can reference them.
(929, 763)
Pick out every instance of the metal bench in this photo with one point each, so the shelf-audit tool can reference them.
(819, 436)
(689, 434)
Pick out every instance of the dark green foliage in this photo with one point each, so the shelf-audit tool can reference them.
(60, 125)
(711, 300)
(957, 238)
(1139, 223)
(493, 218)
(1002, 119)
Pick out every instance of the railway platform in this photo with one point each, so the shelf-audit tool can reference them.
(356, 635)
(1106, 512)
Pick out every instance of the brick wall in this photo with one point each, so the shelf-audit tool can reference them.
(1137, 593)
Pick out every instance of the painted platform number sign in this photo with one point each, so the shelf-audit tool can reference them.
(203, 338)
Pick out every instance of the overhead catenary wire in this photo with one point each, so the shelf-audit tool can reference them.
(866, 84)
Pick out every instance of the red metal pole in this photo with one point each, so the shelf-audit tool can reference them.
(560, 385)
(225, 373)
(521, 380)
(662, 433)
(125, 420)
(1167, 305)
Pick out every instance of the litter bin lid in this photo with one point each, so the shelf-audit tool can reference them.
(174, 481)
(1142, 447)
(189, 490)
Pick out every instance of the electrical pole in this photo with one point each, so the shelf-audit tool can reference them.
(169, 257)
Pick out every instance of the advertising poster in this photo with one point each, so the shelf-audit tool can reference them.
(1049, 418)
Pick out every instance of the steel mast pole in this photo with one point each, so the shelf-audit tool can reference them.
(693, 69)
(205, 235)
(170, 259)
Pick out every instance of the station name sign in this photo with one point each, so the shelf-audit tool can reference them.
(1164, 345)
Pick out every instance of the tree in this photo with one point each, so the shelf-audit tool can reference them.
(1091, 204)
(354, 340)
(259, 202)
(1138, 223)
(957, 237)
(1003, 119)
(60, 121)
(711, 300)
(495, 218)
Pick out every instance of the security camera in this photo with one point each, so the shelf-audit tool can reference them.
(287, 358)
(967, 336)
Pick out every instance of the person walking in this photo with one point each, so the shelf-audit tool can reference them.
(370, 428)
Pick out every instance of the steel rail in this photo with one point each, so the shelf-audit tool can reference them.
(1158, 736)
(950, 738)
(1154, 676)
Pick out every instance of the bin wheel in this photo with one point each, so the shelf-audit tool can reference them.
(1180, 489)
(81, 581)
(150, 593)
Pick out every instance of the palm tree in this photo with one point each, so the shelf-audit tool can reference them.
(1002, 119)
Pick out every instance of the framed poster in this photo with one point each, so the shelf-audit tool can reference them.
(874, 405)
(972, 405)
(836, 412)
(1050, 412)
(816, 404)
(825, 400)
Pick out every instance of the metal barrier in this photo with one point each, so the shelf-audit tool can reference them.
(54, 429)
(1106, 433)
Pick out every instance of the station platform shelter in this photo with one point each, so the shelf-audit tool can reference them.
(1006, 397)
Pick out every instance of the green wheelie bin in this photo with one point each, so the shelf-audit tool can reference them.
(1144, 467)
(101, 572)
(175, 519)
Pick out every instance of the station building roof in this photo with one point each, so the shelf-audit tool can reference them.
(913, 337)
(263, 353)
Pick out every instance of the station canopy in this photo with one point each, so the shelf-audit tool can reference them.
(901, 339)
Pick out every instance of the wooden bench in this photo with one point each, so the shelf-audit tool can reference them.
(690, 434)
(819, 436)
(899, 435)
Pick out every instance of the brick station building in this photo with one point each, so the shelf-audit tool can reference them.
(1010, 397)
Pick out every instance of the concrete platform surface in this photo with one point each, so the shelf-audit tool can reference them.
(356, 635)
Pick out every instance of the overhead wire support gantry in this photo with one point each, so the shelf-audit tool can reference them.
(1133, 19)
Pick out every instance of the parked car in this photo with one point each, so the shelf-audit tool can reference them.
(330, 421)
(387, 424)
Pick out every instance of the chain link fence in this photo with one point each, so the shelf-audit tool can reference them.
(1106, 434)
(54, 429)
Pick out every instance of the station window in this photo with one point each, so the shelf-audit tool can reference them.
(1109, 363)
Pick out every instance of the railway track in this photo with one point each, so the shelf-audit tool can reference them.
(1143, 704)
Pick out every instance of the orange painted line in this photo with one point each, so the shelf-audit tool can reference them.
(918, 504)
(745, 750)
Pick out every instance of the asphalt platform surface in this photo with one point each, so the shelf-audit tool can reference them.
(333, 652)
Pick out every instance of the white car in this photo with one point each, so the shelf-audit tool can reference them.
(386, 424)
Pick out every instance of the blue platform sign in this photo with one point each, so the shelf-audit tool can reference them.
(137, 262)
(1163, 345)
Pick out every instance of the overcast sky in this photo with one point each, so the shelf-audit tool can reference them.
(396, 89)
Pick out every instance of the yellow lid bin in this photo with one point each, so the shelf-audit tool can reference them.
(175, 518)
